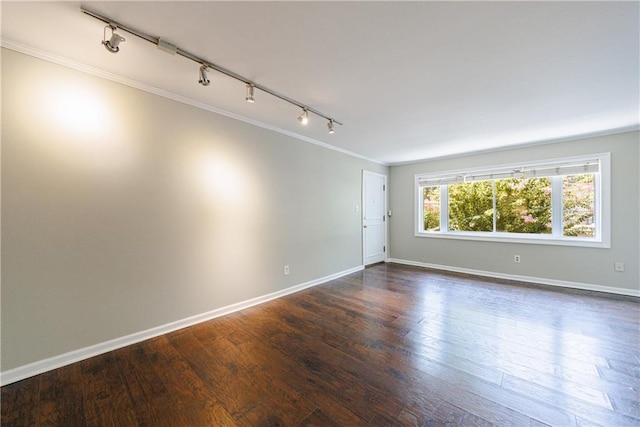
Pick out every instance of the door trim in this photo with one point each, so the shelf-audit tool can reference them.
(362, 210)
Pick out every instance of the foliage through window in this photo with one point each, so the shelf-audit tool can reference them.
(578, 193)
(557, 200)
(524, 205)
(431, 210)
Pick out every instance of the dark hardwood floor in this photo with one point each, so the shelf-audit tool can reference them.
(391, 345)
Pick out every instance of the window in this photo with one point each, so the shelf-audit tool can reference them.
(561, 201)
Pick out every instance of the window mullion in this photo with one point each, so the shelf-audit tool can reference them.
(444, 208)
(420, 203)
(556, 206)
(597, 204)
(495, 213)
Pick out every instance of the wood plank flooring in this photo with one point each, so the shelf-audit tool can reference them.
(391, 345)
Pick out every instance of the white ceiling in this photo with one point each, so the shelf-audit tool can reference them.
(410, 80)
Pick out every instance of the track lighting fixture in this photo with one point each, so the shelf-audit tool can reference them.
(204, 81)
(163, 44)
(304, 117)
(249, 97)
(330, 127)
(112, 44)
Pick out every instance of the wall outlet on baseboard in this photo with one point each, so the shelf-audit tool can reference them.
(286, 270)
(618, 266)
(516, 259)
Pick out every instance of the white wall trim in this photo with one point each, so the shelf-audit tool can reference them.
(35, 368)
(528, 279)
(87, 69)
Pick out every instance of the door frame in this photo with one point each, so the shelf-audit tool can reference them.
(386, 204)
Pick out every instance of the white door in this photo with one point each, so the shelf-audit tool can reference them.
(374, 221)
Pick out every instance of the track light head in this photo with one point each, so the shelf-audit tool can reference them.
(203, 80)
(330, 127)
(249, 97)
(112, 44)
(304, 117)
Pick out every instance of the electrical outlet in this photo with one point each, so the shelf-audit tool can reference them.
(516, 259)
(356, 209)
(286, 270)
(618, 266)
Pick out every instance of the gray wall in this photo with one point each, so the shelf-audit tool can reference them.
(583, 265)
(122, 210)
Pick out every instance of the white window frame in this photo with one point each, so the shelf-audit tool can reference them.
(602, 203)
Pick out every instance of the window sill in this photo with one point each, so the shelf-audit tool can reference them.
(506, 238)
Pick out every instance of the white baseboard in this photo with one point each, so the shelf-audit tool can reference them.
(529, 279)
(35, 368)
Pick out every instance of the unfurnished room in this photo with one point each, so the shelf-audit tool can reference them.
(310, 213)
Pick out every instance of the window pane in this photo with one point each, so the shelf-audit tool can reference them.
(578, 199)
(523, 205)
(471, 206)
(431, 209)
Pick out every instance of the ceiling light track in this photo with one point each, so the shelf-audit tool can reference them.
(204, 64)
